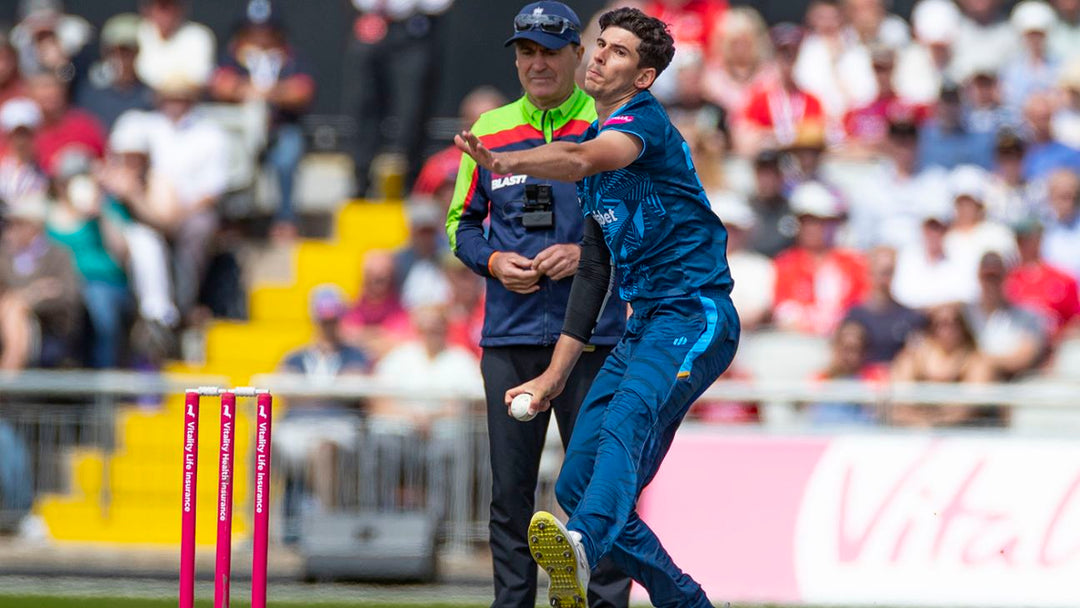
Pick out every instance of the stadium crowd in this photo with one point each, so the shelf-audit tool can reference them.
(908, 190)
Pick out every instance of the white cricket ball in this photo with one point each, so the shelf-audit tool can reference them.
(519, 407)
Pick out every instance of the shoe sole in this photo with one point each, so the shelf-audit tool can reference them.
(550, 547)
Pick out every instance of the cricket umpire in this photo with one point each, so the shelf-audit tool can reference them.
(529, 252)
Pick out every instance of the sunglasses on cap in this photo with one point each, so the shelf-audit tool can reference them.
(549, 24)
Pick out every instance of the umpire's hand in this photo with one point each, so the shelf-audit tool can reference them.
(558, 261)
(514, 271)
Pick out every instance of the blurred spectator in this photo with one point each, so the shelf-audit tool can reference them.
(1012, 340)
(261, 66)
(775, 226)
(427, 427)
(1033, 69)
(126, 177)
(700, 121)
(1065, 124)
(983, 32)
(391, 76)
(832, 66)
(418, 274)
(428, 363)
(691, 24)
(1061, 243)
(848, 361)
(50, 40)
(376, 320)
(804, 155)
(312, 435)
(740, 62)
(1065, 37)
(927, 274)
(1045, 152)
(816, 283)
(188, 158)
(1039, 286)
(776, 110)
(971, 234)
(437, 176)
(757, 274)
(1009, 196)
(39, 292)
(82, 222)
(984, 110)
(947, 141)
(20, 176)
(465, 310)
(869, 22)
(16, 479)
(170, 46)
(947, 354)
(924, 65)
(888, 323)
(11, 82)
(113, 87)
(867, 126)
(886, 205)
(62, 127)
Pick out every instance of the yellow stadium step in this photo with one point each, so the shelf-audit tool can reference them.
(372, 225)
(133, 496)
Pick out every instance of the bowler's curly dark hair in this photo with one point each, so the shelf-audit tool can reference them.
(657, 46)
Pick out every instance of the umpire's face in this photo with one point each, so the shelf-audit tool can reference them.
(546, 75)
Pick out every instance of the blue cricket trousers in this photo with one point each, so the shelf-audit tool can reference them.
(673, 350)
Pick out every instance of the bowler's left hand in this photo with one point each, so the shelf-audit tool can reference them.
(471, 145)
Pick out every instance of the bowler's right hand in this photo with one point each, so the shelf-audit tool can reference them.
(543, 389)
(514, 271)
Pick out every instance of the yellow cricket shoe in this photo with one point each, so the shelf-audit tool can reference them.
(560, 553)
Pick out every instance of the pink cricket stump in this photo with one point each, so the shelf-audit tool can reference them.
(264, 409)
(190, 481)
(223, 563)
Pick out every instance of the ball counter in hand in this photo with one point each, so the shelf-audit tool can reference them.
(519, 407)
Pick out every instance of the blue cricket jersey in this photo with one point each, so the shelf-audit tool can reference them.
(663, 236)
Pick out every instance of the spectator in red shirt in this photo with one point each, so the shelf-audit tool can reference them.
(376, 320)
(740, 61)
(465, 310)
(1037, 285)
(867, 127)
(775, 112)
(691, 22)
(62, 126)
(816, 283)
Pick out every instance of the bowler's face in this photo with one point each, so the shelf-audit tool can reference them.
(613, 67)
(546, 75)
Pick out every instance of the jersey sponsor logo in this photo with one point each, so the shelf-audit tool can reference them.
(502, 181)
(605, 218)
(618, 120)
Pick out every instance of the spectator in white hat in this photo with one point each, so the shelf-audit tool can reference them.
(1032, 69)
(20, 176)
(756, 273)
(972, 234)
(983, 33)
(816, 282)
(50, 40)
(926, 275)
(924, 64)
(126, 178)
